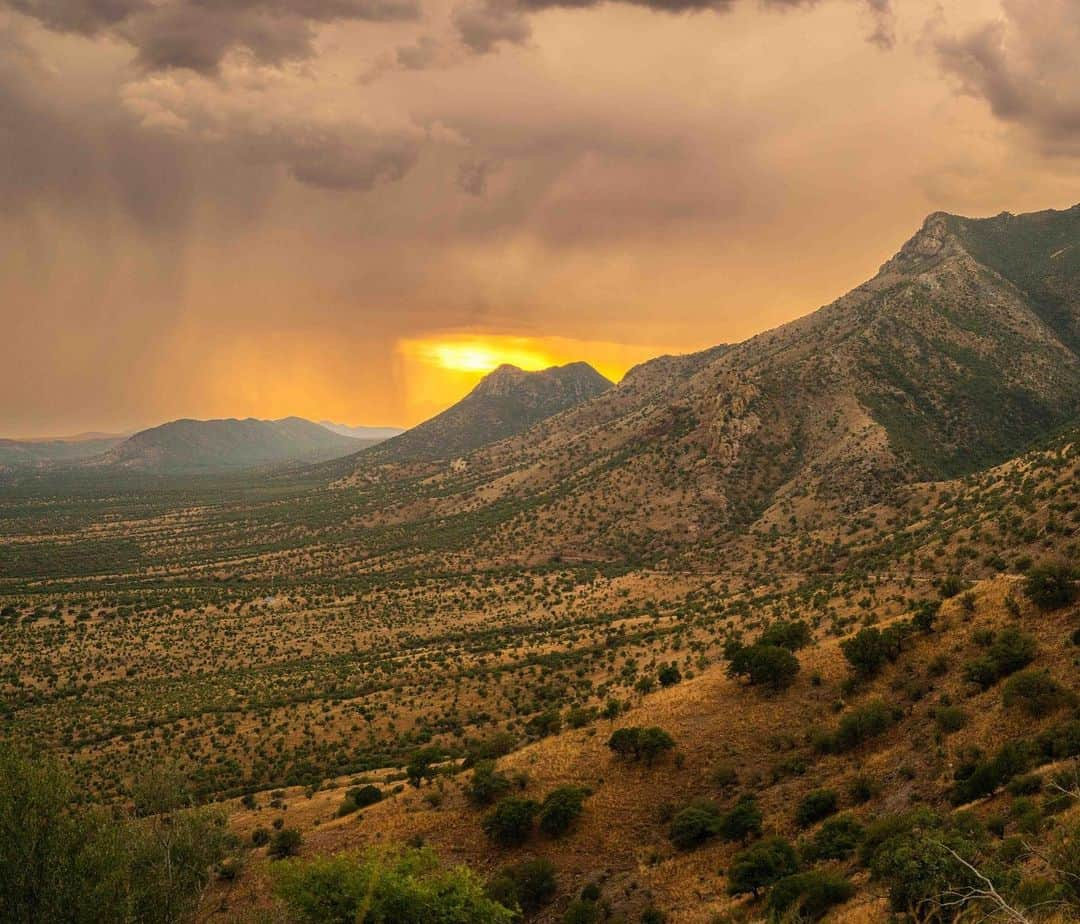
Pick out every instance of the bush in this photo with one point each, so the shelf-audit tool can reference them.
(792, 635)
(363, 796)
(977, 780)
(669, 675)
(871, 649)
(765, 665)
(486, 785)
(582, 911)
(836, 839)
(561, 809)
(510, 822)
(742, 822)
(260, 837)
(1009, 651)
(809, 896)
(698, 822)
(284, 843)
(1051, 586)
(1035, 692)
(917, 868)
(760, 865)
(858, 726)
(950, 718)
(528, 885)
(407, 887)
(641, 743)
(816, 805)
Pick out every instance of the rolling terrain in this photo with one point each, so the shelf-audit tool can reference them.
(555, 559)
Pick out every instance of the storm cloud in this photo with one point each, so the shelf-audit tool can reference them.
(1026, 67)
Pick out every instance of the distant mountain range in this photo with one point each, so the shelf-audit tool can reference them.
(190, 446)
(218, 445)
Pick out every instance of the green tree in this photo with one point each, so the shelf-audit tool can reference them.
(421, 765)
(1051, 586)
(765, 665)
(377, 887)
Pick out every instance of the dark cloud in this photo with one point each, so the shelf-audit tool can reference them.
(1026, 67)
(197, 34)
(483, 24)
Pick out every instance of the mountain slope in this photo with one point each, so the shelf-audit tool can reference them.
(506, 402)
(938, 366)
(219, 445)
(362, 433)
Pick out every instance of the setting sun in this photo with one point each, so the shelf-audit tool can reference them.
(480, 354)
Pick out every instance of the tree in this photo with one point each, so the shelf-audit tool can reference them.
(421, 766)
(765, 665)
(510, 822)
(1051, 586)
(624, 742)
(406, 887)
(760, 865)
(743, 821)
(61, 862)
(836, 839)
(561, 810)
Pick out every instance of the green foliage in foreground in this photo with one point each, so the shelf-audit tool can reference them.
(385, 887)
(65, 864)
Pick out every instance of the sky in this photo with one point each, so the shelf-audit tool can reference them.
(352, 209)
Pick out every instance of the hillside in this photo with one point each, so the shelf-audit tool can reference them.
(222, 445)
(938, 366)
(733, 741)
(507, 401)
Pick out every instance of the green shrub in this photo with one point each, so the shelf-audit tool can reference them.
(510, 822)
(528, 885)
(285, 843)
(792, 635)
(836, 839)
(808, 896)
(950, 718)
(1035, 692)
(858, 726)
(406, 887)
(561, 810)
(669, 675)
(981, 779)
(698, 822)
(760, 865)
(743, 821)
(486, 784)
(1008, 652)
(814, 806)
(63, 862)
(1051, 586)
(641, 743)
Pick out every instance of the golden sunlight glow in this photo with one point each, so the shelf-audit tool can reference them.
(483, 355)
(437, 370)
